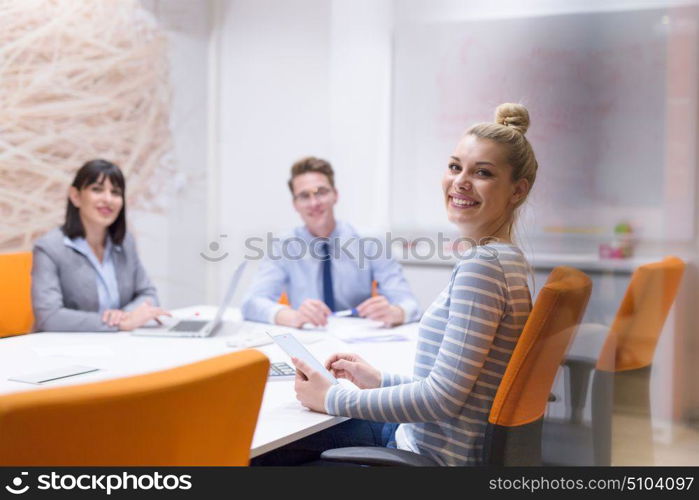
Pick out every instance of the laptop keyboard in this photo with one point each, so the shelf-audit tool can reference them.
(281, 369)
(188, 326)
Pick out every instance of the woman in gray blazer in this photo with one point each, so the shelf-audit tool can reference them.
(86, 275)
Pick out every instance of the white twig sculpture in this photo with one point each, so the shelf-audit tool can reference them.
(79, 79)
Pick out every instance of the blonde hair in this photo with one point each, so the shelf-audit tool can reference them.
(511, 123)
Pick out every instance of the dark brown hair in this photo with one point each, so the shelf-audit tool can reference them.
(311, 164)
(96, 171)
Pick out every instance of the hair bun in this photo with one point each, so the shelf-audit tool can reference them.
(514, 116)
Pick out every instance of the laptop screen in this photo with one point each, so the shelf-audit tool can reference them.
(229, 294)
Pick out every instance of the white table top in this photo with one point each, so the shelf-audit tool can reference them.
(282, 418)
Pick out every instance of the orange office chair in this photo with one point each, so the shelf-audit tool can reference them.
(513, 434)
(203, 413)
(16, 316)
(620, 380)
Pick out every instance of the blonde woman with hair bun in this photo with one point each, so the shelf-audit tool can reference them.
(505, 139)
(467, 335)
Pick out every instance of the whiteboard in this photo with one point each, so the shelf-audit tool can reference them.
(612, 98)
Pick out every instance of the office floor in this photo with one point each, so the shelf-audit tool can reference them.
(677, 444)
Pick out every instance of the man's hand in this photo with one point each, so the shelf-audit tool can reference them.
(311, 311)
(380, 309)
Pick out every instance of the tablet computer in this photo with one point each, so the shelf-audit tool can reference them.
(55, 374)
(295, 349)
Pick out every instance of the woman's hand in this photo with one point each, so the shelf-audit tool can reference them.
(113, 317)
(141, 315)
(355, 369)
(311, 311)
(379, 308)
(311, 386)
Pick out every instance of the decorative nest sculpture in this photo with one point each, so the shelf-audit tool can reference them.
(79, 79)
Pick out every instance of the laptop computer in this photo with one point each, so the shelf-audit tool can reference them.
(197, 327)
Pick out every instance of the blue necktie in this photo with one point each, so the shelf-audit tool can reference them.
(328, 297)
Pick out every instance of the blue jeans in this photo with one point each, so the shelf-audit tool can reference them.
(354, 432)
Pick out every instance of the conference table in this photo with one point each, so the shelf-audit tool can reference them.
(282, 419)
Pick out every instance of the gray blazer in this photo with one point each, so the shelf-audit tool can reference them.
(64, 286)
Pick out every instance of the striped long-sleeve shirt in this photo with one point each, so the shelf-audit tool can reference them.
(466, 338)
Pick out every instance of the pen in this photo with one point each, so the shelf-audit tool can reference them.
(346, 313)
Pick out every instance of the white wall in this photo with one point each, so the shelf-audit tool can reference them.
(300, 77)
(274, 109)
(170, 241)
(360, 93)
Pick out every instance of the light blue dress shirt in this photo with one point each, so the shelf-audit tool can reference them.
(105, 275)
(299, 272)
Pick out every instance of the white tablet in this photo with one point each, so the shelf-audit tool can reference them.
(295, 349)
(55, 374)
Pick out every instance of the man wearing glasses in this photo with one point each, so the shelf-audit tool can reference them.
(320, 267)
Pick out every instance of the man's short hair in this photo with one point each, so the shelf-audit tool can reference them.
(311, 164)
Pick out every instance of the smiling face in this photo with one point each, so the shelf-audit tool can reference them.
(479, 192)
(314, 200)
(99, 203)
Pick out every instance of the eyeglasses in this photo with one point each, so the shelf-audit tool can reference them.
(320, 193)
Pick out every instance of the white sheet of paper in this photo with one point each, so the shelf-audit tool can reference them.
(54, 374)
(75, 350)
(355, 328)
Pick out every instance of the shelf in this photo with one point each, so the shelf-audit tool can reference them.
(584, 262)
